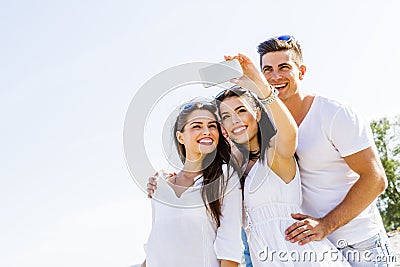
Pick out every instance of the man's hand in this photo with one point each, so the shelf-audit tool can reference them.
(307, 229)
(152, 185)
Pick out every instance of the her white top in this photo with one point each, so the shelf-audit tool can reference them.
(183, 232)
(269, 201)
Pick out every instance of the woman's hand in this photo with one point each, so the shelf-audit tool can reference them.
(252, 78)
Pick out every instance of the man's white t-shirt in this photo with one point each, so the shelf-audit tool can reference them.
(329, 132)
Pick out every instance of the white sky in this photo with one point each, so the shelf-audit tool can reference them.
(69, 70)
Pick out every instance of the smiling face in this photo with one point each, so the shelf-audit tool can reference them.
(200, 134)
(240, 121)
(282, 72)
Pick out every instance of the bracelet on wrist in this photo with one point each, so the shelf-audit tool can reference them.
(271, 98)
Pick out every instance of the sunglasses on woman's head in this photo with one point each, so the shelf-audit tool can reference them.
(200, 104)
(233, 88)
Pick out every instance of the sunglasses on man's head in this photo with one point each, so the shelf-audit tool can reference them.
(286, 38)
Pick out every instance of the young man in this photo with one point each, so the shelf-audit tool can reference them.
(340, 170)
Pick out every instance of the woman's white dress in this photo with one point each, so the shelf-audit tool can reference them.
(183, 232)
(268, 203)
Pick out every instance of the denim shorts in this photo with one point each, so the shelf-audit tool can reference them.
(374, 251)
(246, 251)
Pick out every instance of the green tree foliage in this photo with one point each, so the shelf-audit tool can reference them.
(387, 136)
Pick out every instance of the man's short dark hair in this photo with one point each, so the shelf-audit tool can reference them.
(274, 44)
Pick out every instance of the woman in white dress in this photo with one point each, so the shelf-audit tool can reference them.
(271, 183)
(197, 212)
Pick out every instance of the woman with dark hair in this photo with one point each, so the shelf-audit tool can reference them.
(248, 104)
(197, 212)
